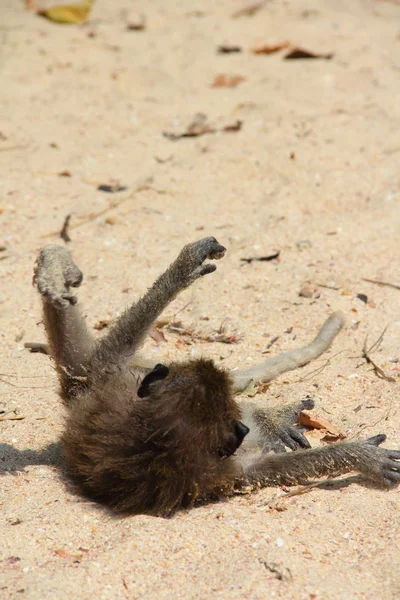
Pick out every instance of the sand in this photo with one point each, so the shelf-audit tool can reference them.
(313, 173)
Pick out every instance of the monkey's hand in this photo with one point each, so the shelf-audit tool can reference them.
(192, 256)
(277, 426)
(379, 464)
(55, 272)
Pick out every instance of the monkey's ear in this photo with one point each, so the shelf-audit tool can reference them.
(159, 372)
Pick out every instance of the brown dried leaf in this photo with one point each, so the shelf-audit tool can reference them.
(296, 53)
(75, 556)
(180, 345)
(228, 49)
(200, 126)
(229, 81)
(236, 126)
(316, 422)
(102, 324)
(270, 48)
(137, 24)
(157, 335)
(248, 11)
(68, 14)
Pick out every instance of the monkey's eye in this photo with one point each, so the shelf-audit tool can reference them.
(159, 372)
(234, 440)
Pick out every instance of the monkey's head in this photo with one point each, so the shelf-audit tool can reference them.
(195, 401)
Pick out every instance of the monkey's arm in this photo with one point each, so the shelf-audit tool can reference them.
(378, 464)
(128, 332)
(69, 339)
(293, 359)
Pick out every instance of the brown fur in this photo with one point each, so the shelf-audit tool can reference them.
(153, 441)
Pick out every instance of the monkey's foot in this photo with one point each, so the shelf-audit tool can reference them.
(55, 272)
(190, 260)
(380, 464)
(280, 431)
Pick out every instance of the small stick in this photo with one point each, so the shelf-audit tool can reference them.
(270, 343)
(64, 231)
(92, 216)
(377, 282)
(378, 370)
(12, 417)
(37, 347)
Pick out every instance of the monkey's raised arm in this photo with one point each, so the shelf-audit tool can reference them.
(293, 359)
(128, 332)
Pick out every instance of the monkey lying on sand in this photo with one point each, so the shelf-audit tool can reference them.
(153, 441)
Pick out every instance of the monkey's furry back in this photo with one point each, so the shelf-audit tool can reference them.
(154, 454)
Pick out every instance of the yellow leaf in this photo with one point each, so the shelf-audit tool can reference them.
(69, 13)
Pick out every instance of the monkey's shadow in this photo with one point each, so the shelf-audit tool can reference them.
(12, 460)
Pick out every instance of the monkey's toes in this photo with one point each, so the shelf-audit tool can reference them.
(55, 273)
(209, 248)
(377, 440)
(205, 270)
(307, 404)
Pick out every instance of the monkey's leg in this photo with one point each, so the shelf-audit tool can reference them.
(290, 360)
(378, 464)
(128, 332)
(70, 341)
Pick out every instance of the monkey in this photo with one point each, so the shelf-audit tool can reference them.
(153, 440)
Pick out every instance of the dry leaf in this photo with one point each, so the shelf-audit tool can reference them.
(111, 188)
(180, 344)
(266, 258)
(75, 556)
(228, 49)
(248, 11)
(157, 335)
(295, 52)
(228, 81)
(69, 14)
(270, 48)
(316, 422)
(137, 24)
(102, 324)
(307, 290)
(200, 126)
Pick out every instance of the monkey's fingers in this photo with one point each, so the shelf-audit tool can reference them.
(205, 270)
(55, 273)
(208, 247)
(377, 440)
(283, 438)
(384, 467)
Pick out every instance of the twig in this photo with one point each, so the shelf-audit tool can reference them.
(12, 417)
(270, 343)
(384, 418)
(329, 287)
(386, 283)
(92, 216)
(17, 147)
(37, 347)
(299, 491)
(365, 354)
(64, 230)
(318, 370)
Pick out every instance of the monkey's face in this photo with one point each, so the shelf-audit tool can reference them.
(235, 440)
(195, 401)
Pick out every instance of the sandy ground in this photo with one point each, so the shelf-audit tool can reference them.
(313, 173)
